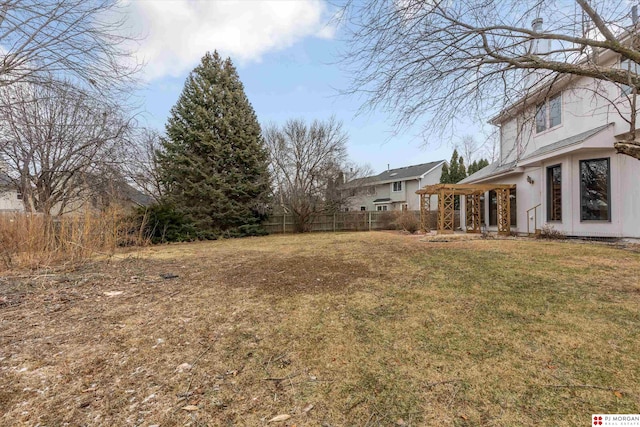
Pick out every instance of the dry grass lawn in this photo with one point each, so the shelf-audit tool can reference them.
(330, 329)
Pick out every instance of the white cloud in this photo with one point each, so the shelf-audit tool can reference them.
(177, 33)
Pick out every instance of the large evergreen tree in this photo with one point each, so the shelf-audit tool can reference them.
(213, 162)
(455, 172)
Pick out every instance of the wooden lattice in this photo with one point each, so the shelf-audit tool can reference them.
(446, 211)
(446, 215)
(425, 208)
(504, 211)
(472, 208)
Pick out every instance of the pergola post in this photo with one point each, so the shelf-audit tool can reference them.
(504, 211)
(425, 211)
(472, 208)
(446, 211)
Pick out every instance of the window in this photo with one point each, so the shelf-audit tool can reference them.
(549, 113)
(405, 207)
(595, 186)
(346, 209)
(513, 206)
(493, 208)
(397, 186)
(381, 207)
(554, 193)
(631, 66)
(19, 194)
(363, 208)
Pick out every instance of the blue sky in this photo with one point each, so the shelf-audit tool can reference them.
(286, 56)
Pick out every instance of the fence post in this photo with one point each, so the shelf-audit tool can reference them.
(369, 220)
(334, 222)
(284, 223)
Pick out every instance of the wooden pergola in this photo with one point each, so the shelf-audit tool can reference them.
(446, 212)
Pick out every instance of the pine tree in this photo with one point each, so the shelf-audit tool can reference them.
(473, 168)
(455, 172)
(444, 176)
(462, 170)
(477, 165)
(213, 162)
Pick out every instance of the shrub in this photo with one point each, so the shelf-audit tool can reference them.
(35, 240)
(162, 223)
(548, 232)
(407, 221)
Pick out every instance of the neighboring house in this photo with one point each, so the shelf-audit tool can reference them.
(556, 146)
(102, 194)
(10, 198)
(393, 189)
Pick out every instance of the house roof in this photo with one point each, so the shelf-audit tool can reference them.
(407, 172)
(575, 139)
(137, 196)
(398, 174)
(493, 169)
(385, 199)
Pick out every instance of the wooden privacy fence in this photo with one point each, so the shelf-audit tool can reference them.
(346, 221)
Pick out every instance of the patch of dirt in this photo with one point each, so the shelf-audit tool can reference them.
(302, 274)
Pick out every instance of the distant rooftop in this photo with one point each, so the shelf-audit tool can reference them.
(406, 172)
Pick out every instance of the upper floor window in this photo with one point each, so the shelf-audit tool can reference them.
(549, 113)
(397, 186)
(628, 65)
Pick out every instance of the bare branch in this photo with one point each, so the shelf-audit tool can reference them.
(442, 63)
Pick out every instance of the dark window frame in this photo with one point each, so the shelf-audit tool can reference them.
(550, 212)
(493, 208)
(397, 186)
(545, 108)
(582, 189)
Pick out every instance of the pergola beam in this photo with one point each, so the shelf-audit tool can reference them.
(464, 189)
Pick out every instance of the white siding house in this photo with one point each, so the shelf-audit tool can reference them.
(393, 189)
(557, 147)
(10, 199)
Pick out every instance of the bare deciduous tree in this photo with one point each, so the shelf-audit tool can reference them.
(82, 40)
(59, 144)
(469, 148)
(451, 59)
(306, 161)
(140, 164)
